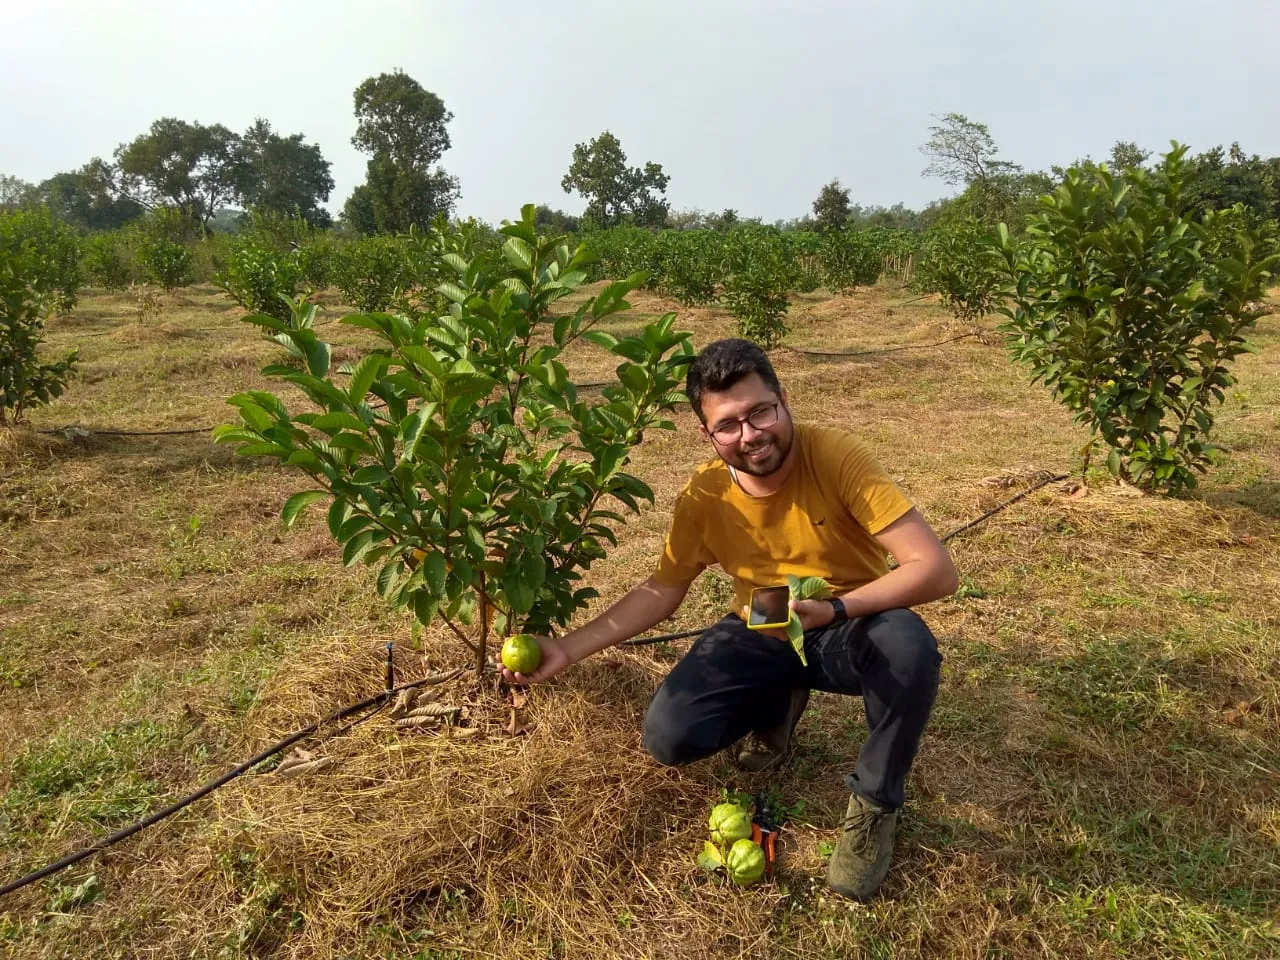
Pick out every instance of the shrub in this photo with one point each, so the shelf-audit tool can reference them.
(849, 259)
(803, 249)
(52, 255)
(480, 481)
(372, 272)
(759, 276)
(957, 262)
(259, 277)
(26, 289)
(165, 262)
(315, 261)
(690, 264)
(108, 259)
(624, 252)
(1132, 313)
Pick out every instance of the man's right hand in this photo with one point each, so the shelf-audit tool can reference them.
(554, 659)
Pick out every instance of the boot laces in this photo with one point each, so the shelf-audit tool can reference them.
(863, 825)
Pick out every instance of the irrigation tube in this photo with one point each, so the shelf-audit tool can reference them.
(377, 701)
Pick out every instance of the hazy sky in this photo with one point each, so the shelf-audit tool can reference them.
(749, 105)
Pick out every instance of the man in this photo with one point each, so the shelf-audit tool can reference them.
(787, 499)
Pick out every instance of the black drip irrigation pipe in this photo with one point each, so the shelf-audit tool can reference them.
(668, 637)
(71, 428)
(378, 701)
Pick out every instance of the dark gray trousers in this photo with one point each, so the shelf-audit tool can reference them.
(734, 680)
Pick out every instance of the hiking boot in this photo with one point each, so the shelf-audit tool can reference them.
(862, 854)
(766, 749)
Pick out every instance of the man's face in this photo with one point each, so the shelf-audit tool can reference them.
(756, 450)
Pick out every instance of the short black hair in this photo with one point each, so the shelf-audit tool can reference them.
(721, 364)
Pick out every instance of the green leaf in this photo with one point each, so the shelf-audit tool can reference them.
(710, 859)
(365, 372)
(299, 502)
(809, 588)
(601, 339)
(372, 474)
(520, 595)
(424, 607)
(331, 423)
(411, 429)
(359, 545)
(518, 253)
(339, 512)
(434, 570)
(796, 633)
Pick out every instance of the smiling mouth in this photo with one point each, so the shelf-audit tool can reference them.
(759, 453)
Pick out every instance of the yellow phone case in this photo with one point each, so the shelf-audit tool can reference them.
(764, 626)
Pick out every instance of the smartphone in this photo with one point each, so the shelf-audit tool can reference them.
(770, 608)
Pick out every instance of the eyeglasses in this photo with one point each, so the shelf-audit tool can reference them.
(729, 431)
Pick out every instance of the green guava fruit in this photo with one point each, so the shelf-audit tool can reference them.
(522, 653)
(745, 862)
(729, 822)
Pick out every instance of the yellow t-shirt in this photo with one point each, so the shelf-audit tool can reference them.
(822, 522)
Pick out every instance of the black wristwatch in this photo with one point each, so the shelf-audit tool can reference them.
(837, 605)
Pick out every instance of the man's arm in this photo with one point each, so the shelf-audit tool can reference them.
(643, 606)
(924, 572)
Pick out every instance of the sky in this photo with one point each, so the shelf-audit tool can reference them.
(750, 105)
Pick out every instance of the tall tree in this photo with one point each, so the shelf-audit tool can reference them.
(962, 152)
(831, 210)
(1218, 179)
(14, 193)
(614, 191)
(283, 174)
(403, 128)
(1127, 155)
(186, 165)
(88, 197)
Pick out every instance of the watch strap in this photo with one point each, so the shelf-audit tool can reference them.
(837, 605)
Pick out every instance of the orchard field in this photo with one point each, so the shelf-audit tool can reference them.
(1100, 777)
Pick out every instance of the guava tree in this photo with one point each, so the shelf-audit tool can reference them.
(26, 288)
(458, 455)
(1132, 313)
(760, 272)
(957, 263)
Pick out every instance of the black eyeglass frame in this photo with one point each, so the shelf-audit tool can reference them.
(771, 408)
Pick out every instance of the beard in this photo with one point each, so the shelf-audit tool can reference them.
(764, 456)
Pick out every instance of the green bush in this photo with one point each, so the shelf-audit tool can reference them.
(108, 259)
(690, 264)
(849, 259)
(259, 277)
(760, 274)
(957, 262)
(165, 262)
(803, 248)
(624, 252)
(209, 256)
(372, 272)
(1132, 313)
(26, 290)
(315, 261)
(52, 257)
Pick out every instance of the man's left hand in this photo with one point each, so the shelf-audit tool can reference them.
(813, 613)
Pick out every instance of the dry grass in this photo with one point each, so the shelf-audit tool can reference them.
(1100, 778)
